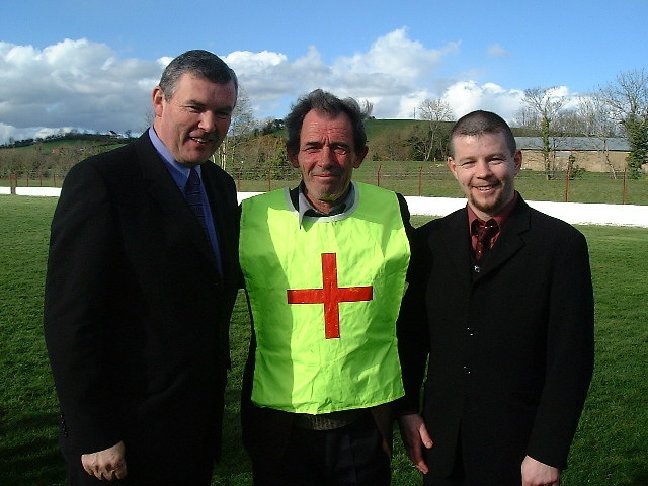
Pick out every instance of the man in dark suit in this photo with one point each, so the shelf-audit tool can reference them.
(142, 279)
(500, 301)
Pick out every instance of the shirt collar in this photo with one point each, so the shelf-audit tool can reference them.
(500, 217)
(304, 205)
(179, 172)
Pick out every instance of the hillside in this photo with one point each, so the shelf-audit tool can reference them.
(374, 126)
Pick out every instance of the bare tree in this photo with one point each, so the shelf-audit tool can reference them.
(242, 127)
(596, 117)
(627, 100)
(598, 123)
(435, 111)
(546, 103)
(526, 117)
(568, 123)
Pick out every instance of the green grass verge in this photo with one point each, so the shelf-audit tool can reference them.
(611, 446)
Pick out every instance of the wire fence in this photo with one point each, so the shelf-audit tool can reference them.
(416, 179)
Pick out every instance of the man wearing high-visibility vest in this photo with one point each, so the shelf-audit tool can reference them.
(324, 267)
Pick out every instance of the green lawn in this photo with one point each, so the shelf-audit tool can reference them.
(611, 446)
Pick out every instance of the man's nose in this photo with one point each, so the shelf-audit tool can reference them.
(327, 156)
(207, 121)
(483, 168)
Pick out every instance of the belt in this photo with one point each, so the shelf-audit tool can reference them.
(328, 421)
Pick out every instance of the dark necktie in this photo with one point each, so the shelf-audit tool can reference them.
(194, 198)
(484, 232)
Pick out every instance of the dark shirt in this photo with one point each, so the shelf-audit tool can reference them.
(500, 219)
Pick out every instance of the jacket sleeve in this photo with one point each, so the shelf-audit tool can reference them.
(405, 215)
(411, 327)
(77, 316)
(570, 354)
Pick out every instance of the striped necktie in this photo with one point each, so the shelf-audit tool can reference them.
(194, 198)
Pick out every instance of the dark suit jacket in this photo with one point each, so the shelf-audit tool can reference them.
(136, 313)
(510, 348)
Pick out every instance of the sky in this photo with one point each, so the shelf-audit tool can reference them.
(90, 65)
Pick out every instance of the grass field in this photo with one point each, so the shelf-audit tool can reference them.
(611, 446)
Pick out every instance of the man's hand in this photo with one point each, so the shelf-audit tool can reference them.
(415, 436)
(535, 473)
(109, 464)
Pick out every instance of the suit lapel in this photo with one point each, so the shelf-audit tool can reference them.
(171, 202)
(456, 245)
(218, 202)
(510, 240)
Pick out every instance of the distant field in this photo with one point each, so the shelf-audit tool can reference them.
(411, 178)
(611, 446)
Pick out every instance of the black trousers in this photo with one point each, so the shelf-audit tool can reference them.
(349, 455)
(458, 476)
(469, 470)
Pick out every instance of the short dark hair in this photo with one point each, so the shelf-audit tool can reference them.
(331, 105)
(202, 64)
(479, 122)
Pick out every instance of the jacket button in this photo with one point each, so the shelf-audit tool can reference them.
(477, 269)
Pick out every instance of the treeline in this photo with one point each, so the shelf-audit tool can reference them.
(260, 150)
(68, 136)
(56, 153)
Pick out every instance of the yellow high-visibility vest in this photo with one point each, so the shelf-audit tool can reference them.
(324, 299)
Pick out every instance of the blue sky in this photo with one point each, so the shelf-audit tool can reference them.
(91, 65)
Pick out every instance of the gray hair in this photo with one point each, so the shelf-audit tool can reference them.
(325, 102)
(202, 64)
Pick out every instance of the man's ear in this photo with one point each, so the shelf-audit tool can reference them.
(360, 157)
(294, 160)
(517, 161)
(452, 165)
(157, 100)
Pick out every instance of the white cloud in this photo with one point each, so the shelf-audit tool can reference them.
(387, 74)
(86, 85)
(75, 83)
(496, 50)
(466, 96)
(394, 56)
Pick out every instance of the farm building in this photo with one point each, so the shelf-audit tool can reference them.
(591, 154)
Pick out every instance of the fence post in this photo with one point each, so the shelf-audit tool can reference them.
(12, 182)
(625, 186)
(567, 183)
(378, 175)
(420, 176)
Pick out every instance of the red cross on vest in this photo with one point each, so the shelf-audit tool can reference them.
(330, 295)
